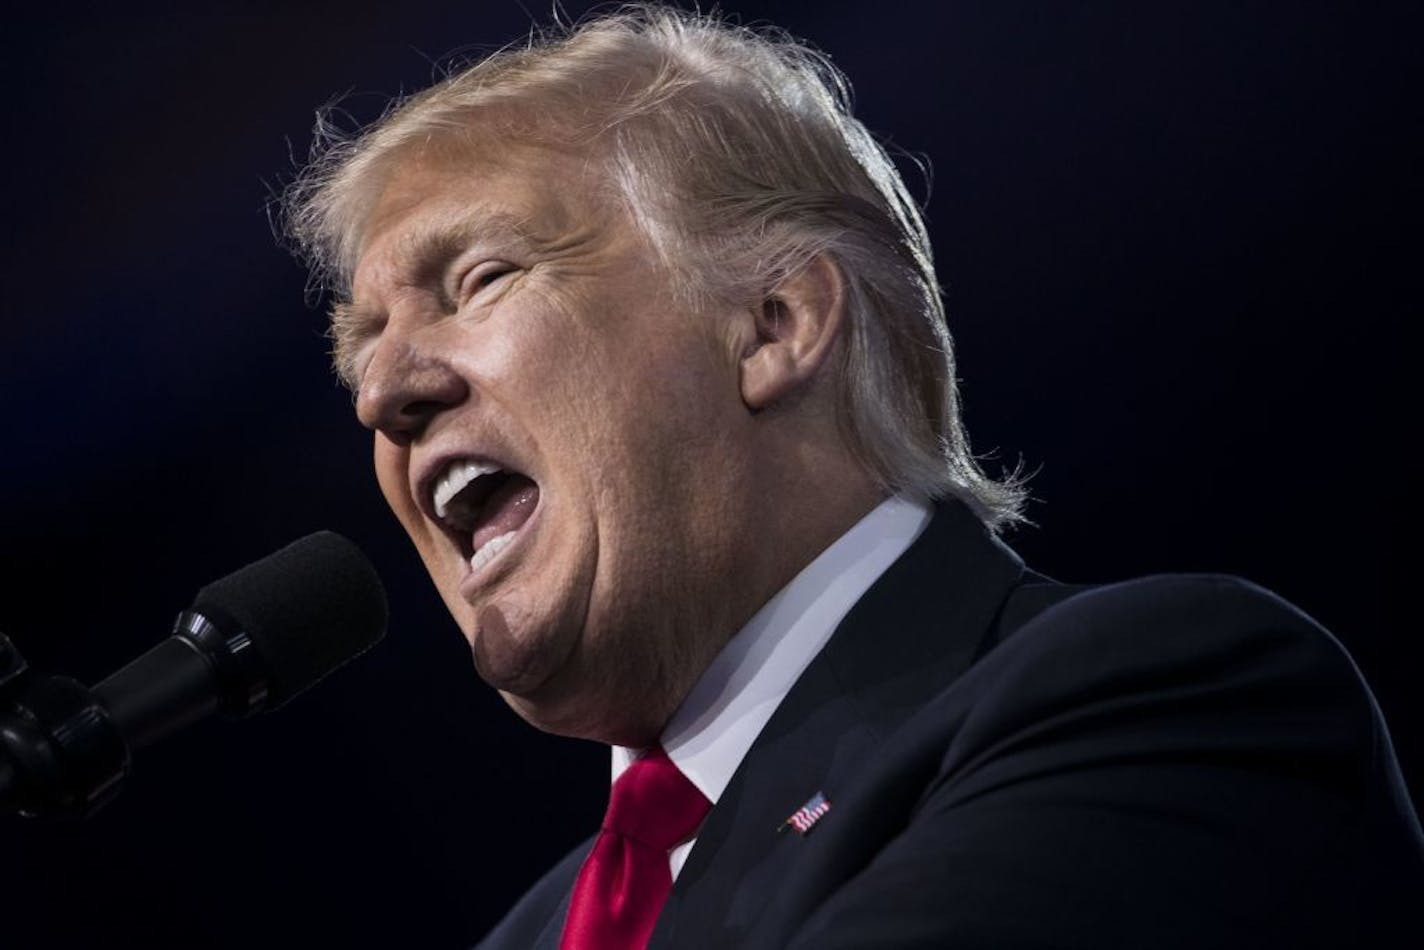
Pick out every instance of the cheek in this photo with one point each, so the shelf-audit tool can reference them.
(392, 465)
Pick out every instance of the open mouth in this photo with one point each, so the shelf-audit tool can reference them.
(483, 506)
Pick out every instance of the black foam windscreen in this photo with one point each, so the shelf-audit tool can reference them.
(307, 608)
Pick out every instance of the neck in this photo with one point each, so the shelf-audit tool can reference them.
(787, 523)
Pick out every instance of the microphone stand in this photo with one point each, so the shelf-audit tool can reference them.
(61, 754)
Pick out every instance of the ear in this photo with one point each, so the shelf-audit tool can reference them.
(797, 326)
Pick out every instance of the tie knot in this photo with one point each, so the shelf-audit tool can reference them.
(654, 803)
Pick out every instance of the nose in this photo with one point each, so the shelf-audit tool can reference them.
(407, 384)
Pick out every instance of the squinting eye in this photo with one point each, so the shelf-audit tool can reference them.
(484, 276)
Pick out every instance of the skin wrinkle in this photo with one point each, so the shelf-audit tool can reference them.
(630, 412)
(429, 255)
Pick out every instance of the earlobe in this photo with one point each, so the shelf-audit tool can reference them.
(797, 326)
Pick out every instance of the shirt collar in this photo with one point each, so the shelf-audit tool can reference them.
(716, 724)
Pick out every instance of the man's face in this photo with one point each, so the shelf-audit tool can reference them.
(559, 438)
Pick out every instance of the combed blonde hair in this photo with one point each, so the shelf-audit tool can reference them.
(736, 153)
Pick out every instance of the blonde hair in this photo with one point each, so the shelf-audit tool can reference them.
(736, 153)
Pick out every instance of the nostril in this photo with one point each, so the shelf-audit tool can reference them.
(420, 410)
(411, 420)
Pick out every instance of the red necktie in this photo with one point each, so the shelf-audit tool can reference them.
(625, 879)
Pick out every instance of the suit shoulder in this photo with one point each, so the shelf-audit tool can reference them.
(1188, 622)
(1212, 655)
(1210, 599)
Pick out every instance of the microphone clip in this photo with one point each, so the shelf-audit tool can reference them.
(61, 755)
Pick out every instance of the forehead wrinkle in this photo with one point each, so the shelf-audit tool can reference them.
(417, 258)
(424, 251)
(438, 205)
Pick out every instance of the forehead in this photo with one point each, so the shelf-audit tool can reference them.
(435, 201)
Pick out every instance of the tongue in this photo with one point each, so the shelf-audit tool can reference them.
(507, 507)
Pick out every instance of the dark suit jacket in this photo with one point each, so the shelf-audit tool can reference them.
(1176, 761)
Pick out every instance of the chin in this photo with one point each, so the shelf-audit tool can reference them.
(513, 660)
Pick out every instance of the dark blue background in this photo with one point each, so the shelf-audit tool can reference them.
(1181, 249)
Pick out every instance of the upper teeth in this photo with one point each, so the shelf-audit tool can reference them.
(456, 477)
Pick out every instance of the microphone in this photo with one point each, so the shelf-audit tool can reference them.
(253, 640)
(250, 642)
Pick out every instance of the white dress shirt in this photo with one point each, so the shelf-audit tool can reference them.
(710, 733)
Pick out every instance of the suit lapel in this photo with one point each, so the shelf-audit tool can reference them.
(548, 938)
(916, 629)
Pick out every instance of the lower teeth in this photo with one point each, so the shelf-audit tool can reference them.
(490, 548)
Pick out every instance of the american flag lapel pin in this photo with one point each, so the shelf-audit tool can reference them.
(805, 817)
